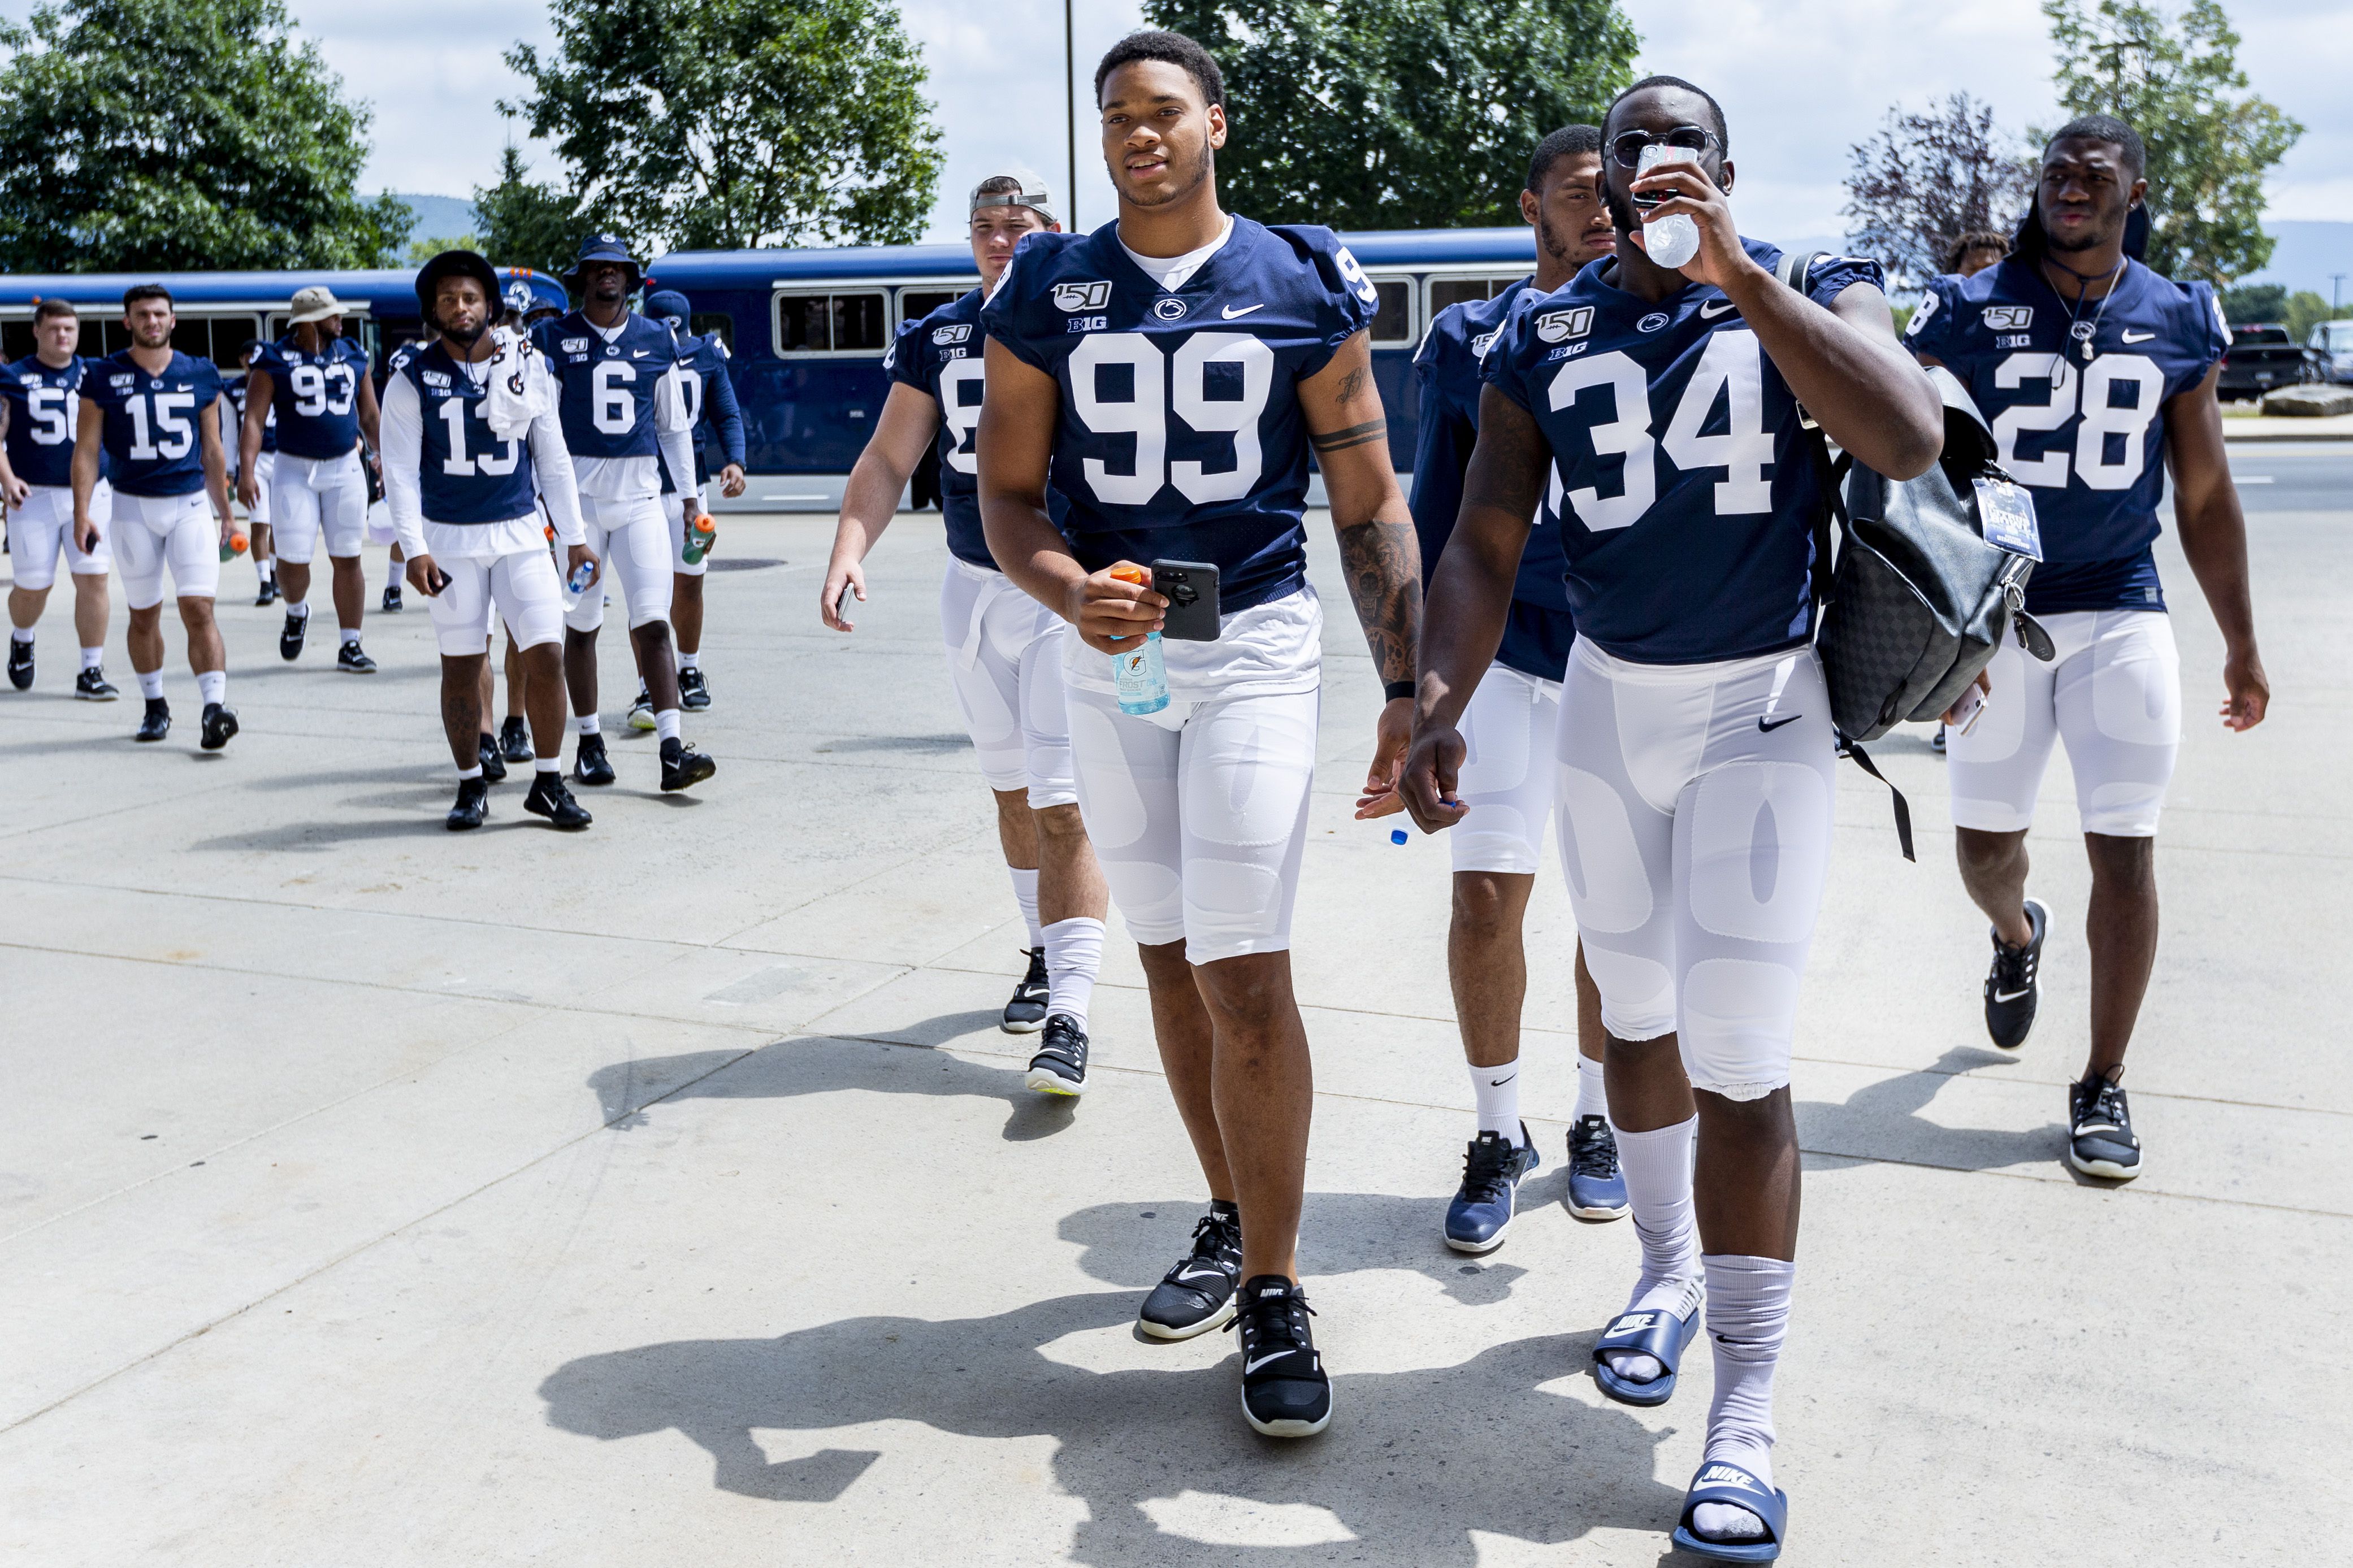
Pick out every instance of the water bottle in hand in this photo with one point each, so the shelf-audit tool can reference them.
(582, 576)
(1673, 240)
(1139, 677)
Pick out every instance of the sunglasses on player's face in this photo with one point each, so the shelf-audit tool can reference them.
(1627, 146)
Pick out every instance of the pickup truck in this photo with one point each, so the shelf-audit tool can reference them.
(2262, 357)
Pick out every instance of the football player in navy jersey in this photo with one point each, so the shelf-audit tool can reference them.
(1507, 774)
(150, 411)
(473, 447)
(709, 403)
(258, 468)
(2095, 374)
(40, 411)
(1004, 649)
(1696, 742)
(314, 384)
(1168, 375)
(622, 403)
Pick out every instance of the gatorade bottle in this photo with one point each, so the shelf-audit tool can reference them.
(1139, 678)
(233, 547)
(701, 535)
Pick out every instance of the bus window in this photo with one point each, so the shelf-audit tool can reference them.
(1393, 323)
(703, 323)
(17, 340)
(1446, 291)
(216, 338)
(829, 324)
(914, 304)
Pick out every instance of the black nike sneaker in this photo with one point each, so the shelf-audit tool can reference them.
(2013, 986)
(684, 767)
(641, 711)
(156, 722)
(219, 722)
(1286, 1392)
(391, 605)
(588, 763)
(1197, 1294)
(20, 664)
(2100, 1141)
(1597, 1188)
(91, 686)
(1025, 1014)
(267, 595)
(514, 740)
(291, 635)
(1060, 1066)
(550, 799)
(352, 661)
(494, 766)
(473, 806)
(693, 691)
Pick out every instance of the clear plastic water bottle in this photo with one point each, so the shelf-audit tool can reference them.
(1673, 240)
(1138, 677)
(581, 577)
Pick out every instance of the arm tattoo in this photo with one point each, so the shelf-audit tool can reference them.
(1383, 564)
(1354, 435)
(1351, 384)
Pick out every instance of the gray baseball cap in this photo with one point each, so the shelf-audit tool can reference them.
(1032, 194)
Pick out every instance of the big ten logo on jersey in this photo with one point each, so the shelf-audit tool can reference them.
(1089, 296)
(1354, 274)
(1565, 328)
(2009, 318)
(575, 348)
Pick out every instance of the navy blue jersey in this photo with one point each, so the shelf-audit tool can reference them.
(1687, 502)
(314, 398)
(1180, 434)
(235, 392)
(44, 416)
(710, 406)
(607, 399)
(940, 356)
(465, 473)
(2086, 434)
(1446, 376)
(152, 421)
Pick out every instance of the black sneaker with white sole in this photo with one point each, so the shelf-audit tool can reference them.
(589, 763)
(550, 799)
(684, 767)
(266, 595)
(156, 722)
(291, 635)
(20, 664)
(1025, 1014)
(218, 723)
(1197, 1295)
(514, 740)
(2100, 1139)
(693, 691)
(1060, 1066)
(91, 686)
(494, 766)
(641, 711)
(391, 604)
(351, 660)
(1286, 1392)
(2014, 985)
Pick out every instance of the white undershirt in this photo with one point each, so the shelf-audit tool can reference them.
(1171, 272)
(403, 428)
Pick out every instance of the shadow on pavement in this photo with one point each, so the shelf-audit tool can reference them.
(1413, 1462)
(1882, 1122)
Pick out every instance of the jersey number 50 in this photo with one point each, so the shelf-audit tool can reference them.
(1162, 388)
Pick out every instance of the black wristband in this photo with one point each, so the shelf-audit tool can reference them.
(1392, 690)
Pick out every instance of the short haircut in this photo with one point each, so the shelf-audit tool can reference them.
(53, 306)
(1169, 48)
(2103, 128)
(138, 291)
(1715, 110)
(1975, 239)
(1568, 142)
(248, 349)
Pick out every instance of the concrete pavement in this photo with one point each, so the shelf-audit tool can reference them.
(378, 1195)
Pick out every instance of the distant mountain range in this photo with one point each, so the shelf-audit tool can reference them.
(440, 217)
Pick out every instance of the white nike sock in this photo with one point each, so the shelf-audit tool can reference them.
(1747, 1315)
(20, 634)
(1658, 1170)
(473, 773)
(151, 683)
(213, 685)
(1025, 893)
(297, 610)
(1496, 1090)
(689, 661)
(351, 637)
(93, 657)
(585, 724)
(1073, 954)
(665, 724)
(1592, 1094)
(394, 572)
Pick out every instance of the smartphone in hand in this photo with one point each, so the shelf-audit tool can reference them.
(1968, 711)
(1191, 589)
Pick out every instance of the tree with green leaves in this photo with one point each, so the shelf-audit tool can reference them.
(737, 122)
(164, 136)
(1398, 113)
(526, 223)
(2211, 141)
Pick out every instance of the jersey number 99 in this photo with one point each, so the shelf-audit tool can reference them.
(1177, 385)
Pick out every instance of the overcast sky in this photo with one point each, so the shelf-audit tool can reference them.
(1799, 79)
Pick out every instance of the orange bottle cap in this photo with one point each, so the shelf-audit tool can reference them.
(1132, 574)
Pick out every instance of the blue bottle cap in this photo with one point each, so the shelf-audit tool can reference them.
(1397, 834)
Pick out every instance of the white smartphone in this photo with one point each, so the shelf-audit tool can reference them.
(841, 606)
(1968, 711)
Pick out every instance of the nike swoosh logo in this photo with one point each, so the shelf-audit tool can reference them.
(1713, 309)
(1229, 313)
(1769, 728)
(1499, 1082)
(1202, 1274)
(1253, 1366)
(2139, 337)
(2012, 995)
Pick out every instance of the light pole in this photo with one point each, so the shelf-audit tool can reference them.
(1070, 114)
(2336, 287)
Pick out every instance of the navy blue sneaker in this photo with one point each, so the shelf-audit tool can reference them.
(1597, 1188)
(1481, 1210)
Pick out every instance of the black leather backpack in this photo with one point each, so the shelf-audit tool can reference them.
(1918, 599)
